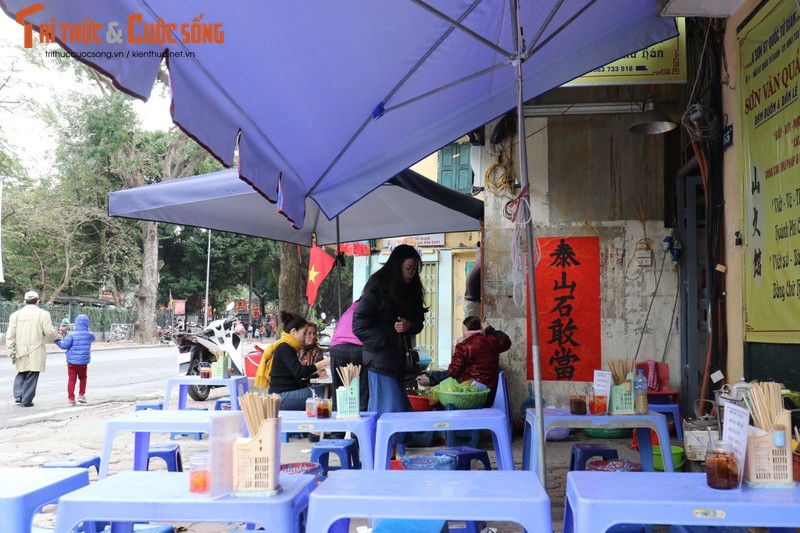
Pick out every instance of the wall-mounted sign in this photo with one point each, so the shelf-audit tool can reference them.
(664, 62)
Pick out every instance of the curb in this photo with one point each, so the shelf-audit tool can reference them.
(100, 346)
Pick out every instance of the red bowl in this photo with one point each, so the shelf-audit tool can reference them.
(419, 403)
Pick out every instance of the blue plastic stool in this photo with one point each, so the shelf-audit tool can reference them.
(345, 449)
(463, 437)
(673, 408)
(169, 453)
(397, 525)
(221, 402)
(77, 461)
(144, 406)
(197, 435)
(464, 455)
(581, 453)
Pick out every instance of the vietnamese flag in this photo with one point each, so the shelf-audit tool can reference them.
(319, 265)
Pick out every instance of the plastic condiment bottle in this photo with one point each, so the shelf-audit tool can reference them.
(640, 406)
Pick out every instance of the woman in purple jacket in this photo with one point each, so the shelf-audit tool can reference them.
(346, 348)
(78, 345)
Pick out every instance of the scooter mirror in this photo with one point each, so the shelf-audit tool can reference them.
(323, 316)
(229, 306)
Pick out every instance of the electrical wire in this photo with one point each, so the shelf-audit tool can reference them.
(671, 322)
(521, 216)
(650, 307)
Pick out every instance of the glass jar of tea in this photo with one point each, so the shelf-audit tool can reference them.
(722, 469)
(324, 408)
(577, 404)
(205, 370)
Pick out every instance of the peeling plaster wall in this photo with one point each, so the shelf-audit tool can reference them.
(588, 179)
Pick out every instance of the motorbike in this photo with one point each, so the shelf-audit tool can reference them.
(194, 349)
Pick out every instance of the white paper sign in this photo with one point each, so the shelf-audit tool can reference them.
(736, 424)
(602, 383)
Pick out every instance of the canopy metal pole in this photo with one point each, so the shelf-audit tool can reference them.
(526, 213)
(208, 275)
(338, 271)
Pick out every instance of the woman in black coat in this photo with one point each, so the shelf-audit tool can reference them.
(390, 314)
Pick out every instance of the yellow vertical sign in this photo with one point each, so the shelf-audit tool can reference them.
(769, 163)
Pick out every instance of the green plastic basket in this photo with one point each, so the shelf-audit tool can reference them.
(608, 433)
(464, 400)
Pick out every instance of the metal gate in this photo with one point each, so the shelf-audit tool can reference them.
(429, 274)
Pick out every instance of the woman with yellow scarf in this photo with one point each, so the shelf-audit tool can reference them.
(280, 369)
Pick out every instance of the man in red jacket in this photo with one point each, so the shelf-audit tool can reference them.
(476, 357)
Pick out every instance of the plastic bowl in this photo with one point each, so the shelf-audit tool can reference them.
(614, 465)
(302, 468)
(557, 434)
(678, 458)
(419, 403)
(428, 462)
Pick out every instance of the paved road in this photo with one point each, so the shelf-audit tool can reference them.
(130, 374)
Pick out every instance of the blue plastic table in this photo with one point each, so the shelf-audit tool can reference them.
(236, 385)
(362, 427)
(492, 419)
(597, 500)
(164, 496)
(142, 423)
(507, 496)
(24, 490)
(562, 418)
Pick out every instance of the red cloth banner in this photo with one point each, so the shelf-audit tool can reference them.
(568, 309)
(354, 248)
(319, 265)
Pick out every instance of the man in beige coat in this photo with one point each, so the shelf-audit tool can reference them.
(28, 331)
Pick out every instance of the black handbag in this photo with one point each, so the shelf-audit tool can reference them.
(412, 359)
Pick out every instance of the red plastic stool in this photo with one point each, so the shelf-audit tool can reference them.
(653, 440)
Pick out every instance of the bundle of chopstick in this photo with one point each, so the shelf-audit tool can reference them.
(620, 368)
(764, 401)
(257, 408)
(347, 373)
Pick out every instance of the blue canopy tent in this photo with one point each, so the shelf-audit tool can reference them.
(329, 99)
(407, 204)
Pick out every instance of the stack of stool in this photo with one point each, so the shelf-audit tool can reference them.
(581, 453)
(76, 461)
(464, 455)
(345, 449)
(197, 435)
(169, 453)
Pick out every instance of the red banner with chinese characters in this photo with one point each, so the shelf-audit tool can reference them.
(568, 309)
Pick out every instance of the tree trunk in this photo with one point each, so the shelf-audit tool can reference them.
(290, 295)
(146, 332)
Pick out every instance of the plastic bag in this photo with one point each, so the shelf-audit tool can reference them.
(449, 385)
